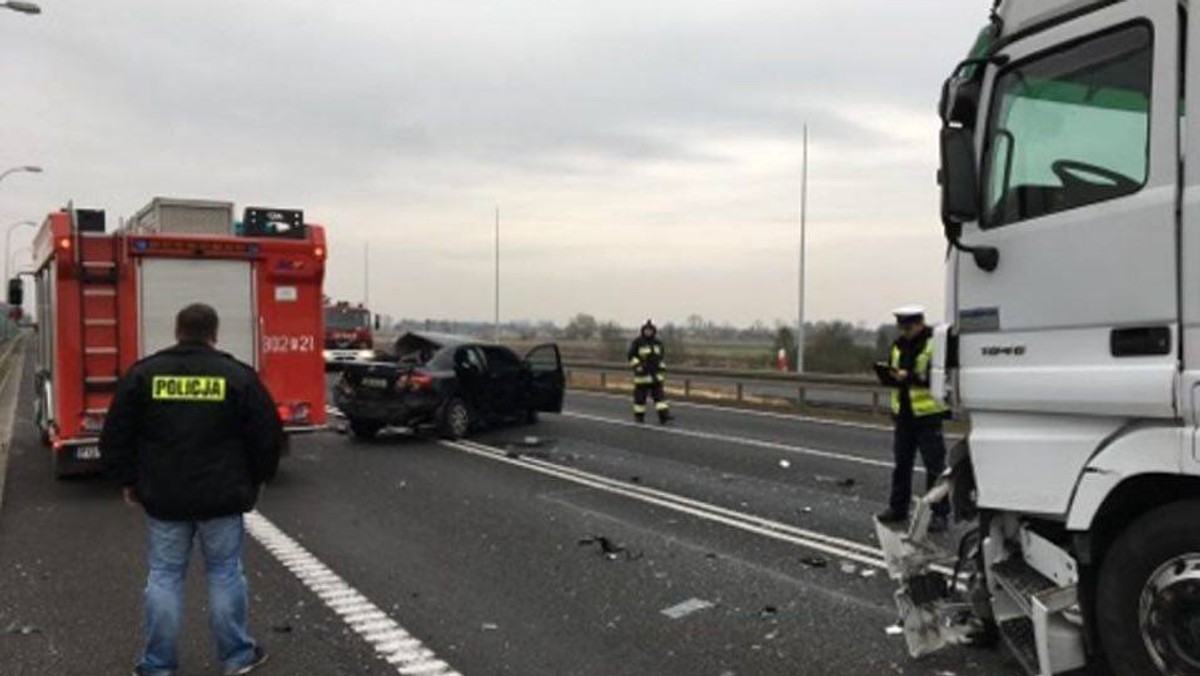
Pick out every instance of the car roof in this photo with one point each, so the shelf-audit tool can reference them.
(415, 339)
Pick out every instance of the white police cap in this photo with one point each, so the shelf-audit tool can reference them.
(909, 312)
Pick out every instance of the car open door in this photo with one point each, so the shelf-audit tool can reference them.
(548, 383)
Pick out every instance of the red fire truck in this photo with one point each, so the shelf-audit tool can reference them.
(348, 334)
(106, 299)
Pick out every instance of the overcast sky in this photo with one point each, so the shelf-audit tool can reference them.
(645, 155)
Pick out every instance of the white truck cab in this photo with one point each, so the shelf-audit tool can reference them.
(1071, 196)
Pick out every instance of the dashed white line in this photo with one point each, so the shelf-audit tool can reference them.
(391, 642)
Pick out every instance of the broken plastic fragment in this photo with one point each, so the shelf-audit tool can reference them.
(686, 608)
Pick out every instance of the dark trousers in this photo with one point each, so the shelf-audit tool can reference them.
(912, 434)
(641, 392)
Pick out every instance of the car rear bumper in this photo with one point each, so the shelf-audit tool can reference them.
(342, 356)
(403, 410)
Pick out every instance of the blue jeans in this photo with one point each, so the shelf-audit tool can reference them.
(170, 547)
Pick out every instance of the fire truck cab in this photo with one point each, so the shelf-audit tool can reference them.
(107, 299)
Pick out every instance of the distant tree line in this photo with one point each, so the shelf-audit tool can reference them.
(830, 347)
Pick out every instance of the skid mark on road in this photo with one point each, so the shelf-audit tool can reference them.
(391, 642)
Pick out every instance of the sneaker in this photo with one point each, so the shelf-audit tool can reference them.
(939, 524)
(891, 516)
(260, 658)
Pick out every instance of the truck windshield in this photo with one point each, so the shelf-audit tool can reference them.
(1069, 128)
(347, 320)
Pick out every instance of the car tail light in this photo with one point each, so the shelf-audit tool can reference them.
(420, 381)
(297, 412)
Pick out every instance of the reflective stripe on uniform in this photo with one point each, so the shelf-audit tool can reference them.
(921, 399)
(639, 408)
(643, 380)
(661, 406)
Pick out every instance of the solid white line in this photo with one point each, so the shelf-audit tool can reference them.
(757, 443)
(794, 417)
(390, 641)
(846, 549)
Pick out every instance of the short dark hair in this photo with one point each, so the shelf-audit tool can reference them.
(197, 323)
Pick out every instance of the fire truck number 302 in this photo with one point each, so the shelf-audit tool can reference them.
(287, 344)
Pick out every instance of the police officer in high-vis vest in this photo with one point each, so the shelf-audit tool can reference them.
(918, 417)
(647, 358)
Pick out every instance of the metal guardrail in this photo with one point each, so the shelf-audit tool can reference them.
(811, 389)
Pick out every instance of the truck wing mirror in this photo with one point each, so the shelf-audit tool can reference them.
(16, 292)
(960, 192)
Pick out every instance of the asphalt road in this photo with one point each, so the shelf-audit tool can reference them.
(491, 553)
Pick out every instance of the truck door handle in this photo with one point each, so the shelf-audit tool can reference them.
(1140, 341)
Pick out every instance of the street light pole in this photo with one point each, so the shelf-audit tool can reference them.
(803, 219)
(16, 170)
(496, 318)
(22, 7)
(8, 242)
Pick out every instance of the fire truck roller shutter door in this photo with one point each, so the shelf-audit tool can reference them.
(168, 284)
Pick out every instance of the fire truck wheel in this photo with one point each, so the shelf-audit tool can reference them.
(1148, 594)
(455, 419)
(364, 430)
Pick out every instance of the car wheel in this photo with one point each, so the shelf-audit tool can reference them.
(364, 430)
(455, 420)
(1148, 596)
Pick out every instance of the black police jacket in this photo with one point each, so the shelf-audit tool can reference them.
(194, 432)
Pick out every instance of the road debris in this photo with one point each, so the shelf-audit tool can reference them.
(489, 626)
(814, 562)
(635, 479)
(847, 482)
(785, 464)
(283, 628)
(869, 572)
(686, 608)
(849, 568)
(893, 630)
(609, 549)
(22, 629)
(768, 612)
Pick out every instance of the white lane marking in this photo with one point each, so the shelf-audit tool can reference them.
(743, 411)
(846, 549)
(757, 443)
(391, 642)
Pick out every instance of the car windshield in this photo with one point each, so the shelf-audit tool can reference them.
(347, 319)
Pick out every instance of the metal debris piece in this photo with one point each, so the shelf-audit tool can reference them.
(489, 626)
(768, 612)
(785, 464)
(893, 630)
(609, 549)
(686, 608)
(814, 562)
(849, 568)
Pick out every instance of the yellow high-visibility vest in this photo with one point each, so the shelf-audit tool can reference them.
(923, 401)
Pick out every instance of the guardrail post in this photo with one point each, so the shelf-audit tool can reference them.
(687, 387)
(800, 398)
(739, 391)
(603, 380)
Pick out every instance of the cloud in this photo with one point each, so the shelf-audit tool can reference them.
(644, 154)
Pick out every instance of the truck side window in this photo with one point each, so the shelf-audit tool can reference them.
(1069, 128)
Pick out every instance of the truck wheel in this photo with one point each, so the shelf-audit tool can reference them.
(455, 420)
(364, 430)
(1148, 594)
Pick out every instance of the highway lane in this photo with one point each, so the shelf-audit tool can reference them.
(490, 554)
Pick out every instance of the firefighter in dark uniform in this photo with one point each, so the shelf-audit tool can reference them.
(647, 358)
(918, 418)
(191, 435)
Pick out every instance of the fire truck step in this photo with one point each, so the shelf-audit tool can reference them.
(99, 350)
(99, 322)
(99, 292)
(99, 383)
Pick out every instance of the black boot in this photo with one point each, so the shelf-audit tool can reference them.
(639, 418)
(664, 417)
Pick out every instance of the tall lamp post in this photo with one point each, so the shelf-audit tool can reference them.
(8, 242)
(16, 170)
(803, 224)
(22, 7)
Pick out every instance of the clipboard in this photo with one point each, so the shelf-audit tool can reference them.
(884, 373)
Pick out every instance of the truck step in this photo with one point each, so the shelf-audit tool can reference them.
(1018, 635)
(1021, 582)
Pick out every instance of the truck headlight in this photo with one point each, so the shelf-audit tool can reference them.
(365, 355)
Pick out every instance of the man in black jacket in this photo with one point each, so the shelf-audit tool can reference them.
(648, 359)
(191, 434)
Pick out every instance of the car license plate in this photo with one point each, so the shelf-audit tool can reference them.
(377, 383)
(87, 452)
